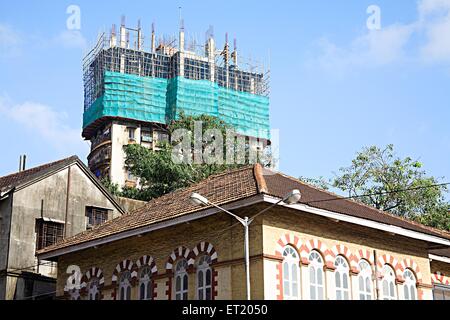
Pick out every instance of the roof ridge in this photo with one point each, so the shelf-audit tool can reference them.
(48, 164)
(259, 177)
(446, 233)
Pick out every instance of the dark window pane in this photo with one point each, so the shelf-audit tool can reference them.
(185, 282)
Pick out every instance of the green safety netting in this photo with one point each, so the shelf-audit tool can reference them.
(161, 100)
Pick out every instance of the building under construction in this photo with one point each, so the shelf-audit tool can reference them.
(134, 88)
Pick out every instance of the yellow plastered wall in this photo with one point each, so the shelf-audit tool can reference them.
(228, 243)
(306, 227)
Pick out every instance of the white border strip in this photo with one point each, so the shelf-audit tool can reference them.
(363, 222)
(439, 258)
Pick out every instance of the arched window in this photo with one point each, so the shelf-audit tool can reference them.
(388, 283)
(73, 290)
(316, 276)
(342, 279)
(204, 278)
(409, 287)
(74, 294)
(181, 280)
(365, 280)
(145, 283)
(125, 286)
(291, 274)
(93, 291)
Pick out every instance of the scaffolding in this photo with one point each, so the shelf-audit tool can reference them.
(123, 78)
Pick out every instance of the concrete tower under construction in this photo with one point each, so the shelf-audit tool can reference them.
(134, 87)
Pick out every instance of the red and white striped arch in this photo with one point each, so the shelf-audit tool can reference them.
(310, 245)
(124, 265)
(364, 254)
(205, 248)
(180, 252)
(342, 250)
(285, 240)
(390, 260)
(146, 261)
(440, 278)
(409, 264)
(92, 273)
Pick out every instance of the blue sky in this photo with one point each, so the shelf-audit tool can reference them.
(335, 85)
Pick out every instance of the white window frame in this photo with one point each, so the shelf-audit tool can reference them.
(388, 284)
(203, 269)
(342, 278)
(125, 286)
(291, 274)
(409, 286)
(145, 279)
(365, 283)
(181, 277)
(93, 291)
(74, 294)
(315, 267)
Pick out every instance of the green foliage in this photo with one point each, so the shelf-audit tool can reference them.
(438, 218)
(158, 174)
(380, 174)
(113, 188)
(320, 182)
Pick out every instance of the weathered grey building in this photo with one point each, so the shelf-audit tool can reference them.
(39, 207)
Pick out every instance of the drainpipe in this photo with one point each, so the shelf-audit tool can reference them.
(377, 289)
(67, 201)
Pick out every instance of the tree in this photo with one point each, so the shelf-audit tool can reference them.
(320, 182)
(379, 178)
(157, 171)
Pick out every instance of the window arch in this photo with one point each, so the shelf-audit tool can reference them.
(181, 280)
(291, 274)
(204, 278)
(316, 276)
(409, 287)
(145, 283)
(125, 285)
(388, 283)
(93, 289)
(342, 278)
(365, 280)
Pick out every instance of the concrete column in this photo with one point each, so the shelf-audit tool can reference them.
(210, 53)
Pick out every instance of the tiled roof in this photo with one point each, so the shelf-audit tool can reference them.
(19, 178)
(231, 186)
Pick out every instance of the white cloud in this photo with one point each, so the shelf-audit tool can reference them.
(372, 49)
(387, 46)
(43, 121)
(71, 39)
(10, 42)
(435, 22)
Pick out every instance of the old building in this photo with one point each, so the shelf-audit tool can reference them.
(440, 273)
(322, 247)
(39, 207)
(134, 89)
